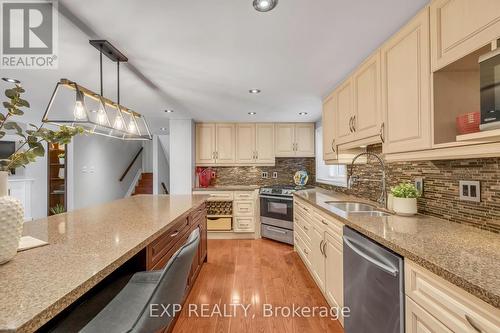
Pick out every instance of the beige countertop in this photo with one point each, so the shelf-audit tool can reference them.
(228, 188)
(466, 256)
(84, 247)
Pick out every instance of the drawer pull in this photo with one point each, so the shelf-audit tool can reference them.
(306, 252)
(174, 234)
(324, 222)
(474, 326)
(276, 230)
(305, 228)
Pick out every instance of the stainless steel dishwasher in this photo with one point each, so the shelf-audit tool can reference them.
(373, 286)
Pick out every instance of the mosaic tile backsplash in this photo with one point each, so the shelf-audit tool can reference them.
(441, 196)
(252, 175)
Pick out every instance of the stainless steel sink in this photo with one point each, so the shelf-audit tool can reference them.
(357, 208)
(374, 213)
(347, 206)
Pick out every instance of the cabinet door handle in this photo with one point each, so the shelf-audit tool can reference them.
(305, 228)
(306, 252)
(354, 123)
(350, 124)
(382, 132)
(324, 222)
(324, 249)
(333, 146)
(256, 155)
(474, 326)
(321, 247)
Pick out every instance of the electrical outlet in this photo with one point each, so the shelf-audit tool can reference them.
(265, 174)
(419, 184)
(470, 190)
(275, 175)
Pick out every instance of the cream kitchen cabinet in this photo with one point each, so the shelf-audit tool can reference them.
(328, 123)
(205, 144)
(440, 301)
(459, 27)
(406, 87)
(255, 144)
(215, 144)
(344, 130)
(417, 320)
(319, 243)
(367, 107)
(294, 139)
(225, 143)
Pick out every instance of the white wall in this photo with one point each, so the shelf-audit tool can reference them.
(38, 172)
(97, 164)
(147, 156)
(161, 164)
(181, 153)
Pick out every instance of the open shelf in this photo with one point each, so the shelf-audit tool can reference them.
(491, 135)
(56, 186)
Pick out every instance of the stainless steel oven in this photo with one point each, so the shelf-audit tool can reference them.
(276, 213)
(489, 65)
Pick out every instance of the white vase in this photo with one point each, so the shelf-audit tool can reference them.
(11, 221)
(61, 161)
(404, 206)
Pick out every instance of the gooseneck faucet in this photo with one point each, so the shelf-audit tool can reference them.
(353, 179)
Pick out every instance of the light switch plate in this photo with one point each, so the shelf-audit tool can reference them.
(275, 174)
(265, 174)
(470, 190)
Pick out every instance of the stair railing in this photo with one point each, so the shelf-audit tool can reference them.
(131, 164)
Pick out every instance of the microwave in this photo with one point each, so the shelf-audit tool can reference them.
(489, 67)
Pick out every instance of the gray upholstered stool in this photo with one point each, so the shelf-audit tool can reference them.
(130, 310)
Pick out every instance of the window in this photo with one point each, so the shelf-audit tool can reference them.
(328, 174)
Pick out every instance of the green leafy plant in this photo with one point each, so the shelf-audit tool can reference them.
(57, 209)
(405, 190)
(61, 155)
(32, 139)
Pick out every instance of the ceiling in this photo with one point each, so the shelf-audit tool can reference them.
(201, 57)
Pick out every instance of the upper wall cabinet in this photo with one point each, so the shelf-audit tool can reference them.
(328, 121)
(255, 144)
(459, 27)
(406, 87)
(294, 139)
(345, 114)
(367, 117)
(205, 144)
(215, 144)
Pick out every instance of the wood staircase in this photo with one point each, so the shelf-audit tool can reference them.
(144, 185)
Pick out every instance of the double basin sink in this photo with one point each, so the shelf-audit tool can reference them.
(357, 208)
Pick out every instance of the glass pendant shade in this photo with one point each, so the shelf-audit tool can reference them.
(94, 113)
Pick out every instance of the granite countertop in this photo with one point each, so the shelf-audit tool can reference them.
(84, 247)
(466, 256)
(228, 188)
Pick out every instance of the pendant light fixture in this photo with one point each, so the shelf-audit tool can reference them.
(264, 5)
(73, 105)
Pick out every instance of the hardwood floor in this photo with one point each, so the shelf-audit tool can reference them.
(252, 273)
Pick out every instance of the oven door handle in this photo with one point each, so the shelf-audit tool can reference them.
(276, 197)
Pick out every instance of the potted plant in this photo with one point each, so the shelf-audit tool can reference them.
(61, 157)
(57, 209)
(31, 147)
(404, 200)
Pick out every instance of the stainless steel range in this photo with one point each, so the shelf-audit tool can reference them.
(276, 212)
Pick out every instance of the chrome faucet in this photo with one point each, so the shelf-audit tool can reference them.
(353, 179)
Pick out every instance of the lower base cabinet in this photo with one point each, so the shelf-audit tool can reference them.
(317, 241)
(420, 321)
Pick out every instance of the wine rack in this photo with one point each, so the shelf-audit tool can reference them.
(220, 208)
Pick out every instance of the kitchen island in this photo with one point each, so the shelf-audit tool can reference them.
(86, 246)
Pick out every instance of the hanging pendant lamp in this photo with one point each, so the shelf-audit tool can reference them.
(74, 105)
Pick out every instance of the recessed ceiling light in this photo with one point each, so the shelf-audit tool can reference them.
(302, 113)
(169, 111)
(6, 79)
(252, 113)
(254, 91)
(163, 128)
(264, 5)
